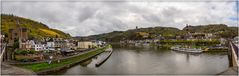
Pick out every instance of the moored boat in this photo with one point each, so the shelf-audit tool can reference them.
(187, 50)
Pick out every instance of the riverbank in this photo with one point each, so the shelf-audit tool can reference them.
(44, 67)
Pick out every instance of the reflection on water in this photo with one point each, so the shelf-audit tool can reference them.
(85, 63)
(133, 60)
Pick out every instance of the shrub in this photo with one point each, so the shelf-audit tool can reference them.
(32, 52)
(24, 52)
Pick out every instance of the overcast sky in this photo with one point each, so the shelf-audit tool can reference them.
(83, 18)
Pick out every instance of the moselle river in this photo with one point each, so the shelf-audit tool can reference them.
(151, 61)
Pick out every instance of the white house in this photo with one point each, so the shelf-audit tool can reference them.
(40, 47)
(100, 43)
(50, 46)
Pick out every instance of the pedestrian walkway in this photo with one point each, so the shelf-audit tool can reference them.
(230, 71)
(12, 70)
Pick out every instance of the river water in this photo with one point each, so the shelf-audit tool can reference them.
(151, 61)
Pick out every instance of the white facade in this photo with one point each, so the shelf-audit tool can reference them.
(50, 46)
(39, 47)
(99, 43)
(86, 44)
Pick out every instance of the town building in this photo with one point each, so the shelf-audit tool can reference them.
(40, 47)
(86, 44)
(59, 45)
(71, 44)
(205, 36)
(25, 45)
(99, 43)
(50, 45)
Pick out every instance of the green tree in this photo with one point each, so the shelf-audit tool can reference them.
(16, 44)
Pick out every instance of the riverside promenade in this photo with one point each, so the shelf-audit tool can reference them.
(12, 70)
(233, 60)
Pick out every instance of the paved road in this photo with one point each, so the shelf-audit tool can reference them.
(12, 70)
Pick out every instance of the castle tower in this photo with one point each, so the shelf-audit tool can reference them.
(17, 34)
(24, 35)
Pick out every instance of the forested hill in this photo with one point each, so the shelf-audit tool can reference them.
(220, 30)
(35, 29)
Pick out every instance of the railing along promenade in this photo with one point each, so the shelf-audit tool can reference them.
(233, 55)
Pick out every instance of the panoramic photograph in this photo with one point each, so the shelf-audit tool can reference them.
(119, 37)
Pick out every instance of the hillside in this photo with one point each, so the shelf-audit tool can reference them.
(137, 34)
(35, 29)
(220, 30)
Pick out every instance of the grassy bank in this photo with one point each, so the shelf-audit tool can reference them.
(39, 67)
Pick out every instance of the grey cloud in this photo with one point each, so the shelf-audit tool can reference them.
(86, 13)
(88, 18)
(170, 11)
